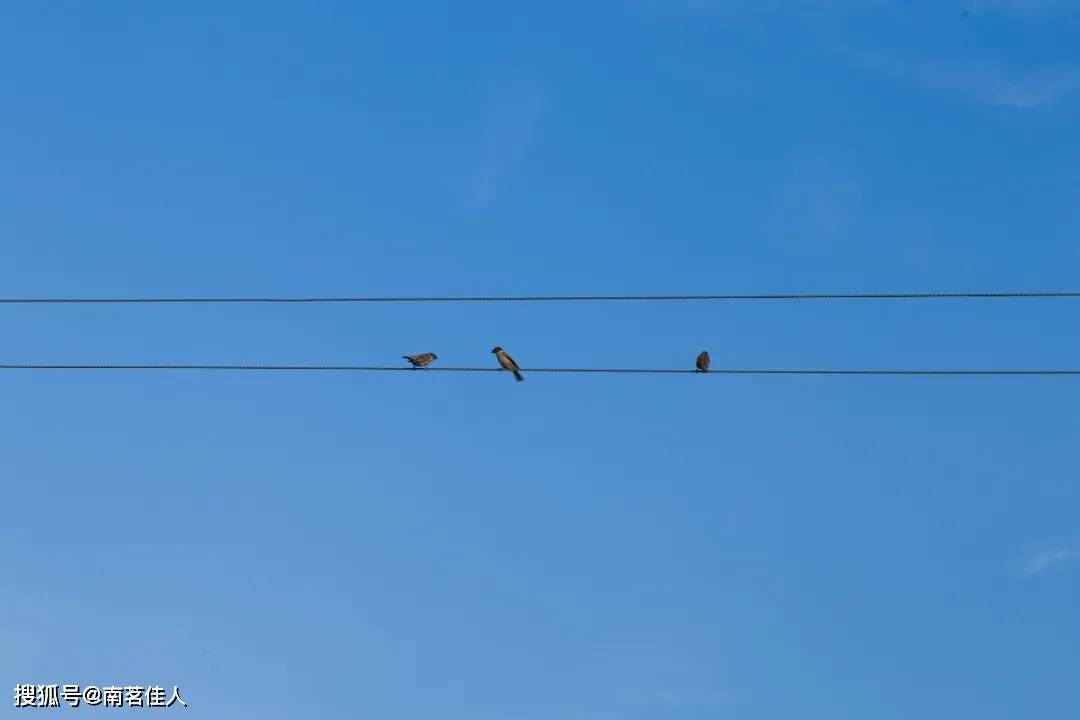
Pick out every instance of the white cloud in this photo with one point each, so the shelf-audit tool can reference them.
(1047, 559)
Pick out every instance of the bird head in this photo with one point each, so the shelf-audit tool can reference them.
(496, 349)
(434, 356)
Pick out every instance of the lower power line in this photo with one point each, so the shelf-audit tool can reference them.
(596, 371)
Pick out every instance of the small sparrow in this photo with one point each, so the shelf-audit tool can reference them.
(422, 360)
(703, 361)
(507, 362)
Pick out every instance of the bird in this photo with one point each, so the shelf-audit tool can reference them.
(422, 360)
(507, 362)
(703, 361)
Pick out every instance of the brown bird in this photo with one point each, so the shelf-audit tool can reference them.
(703, 361)
(422, 360)
(507, 362)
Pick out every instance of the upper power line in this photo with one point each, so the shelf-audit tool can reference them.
(1034, 294)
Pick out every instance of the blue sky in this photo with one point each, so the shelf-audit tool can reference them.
(406, 546)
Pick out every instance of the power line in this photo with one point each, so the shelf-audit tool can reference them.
(538, 298)
(612, 371)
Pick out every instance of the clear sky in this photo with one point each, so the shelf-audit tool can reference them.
(463, 547)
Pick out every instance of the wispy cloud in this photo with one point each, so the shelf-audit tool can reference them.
(641, 675)
(817, 207)
(689, 699)
(984, 82)
(757, 5)
(511, 130)
(999, 86)
(1047, 559)
(1020, 5)
(844, 5)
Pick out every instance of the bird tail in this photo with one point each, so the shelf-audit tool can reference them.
(517, 376)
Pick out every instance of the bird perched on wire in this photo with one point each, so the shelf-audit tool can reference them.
(507, 362)
(422, 360)
(703, 361)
